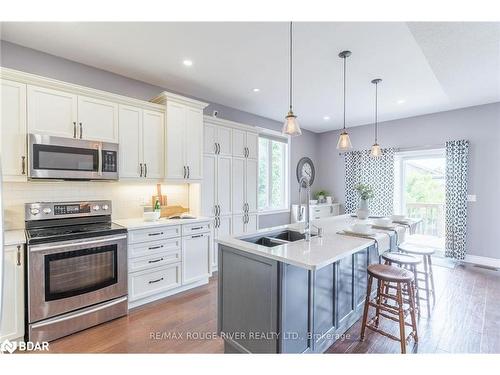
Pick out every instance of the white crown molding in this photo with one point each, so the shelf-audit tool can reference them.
(166, 96)
(33, 79)
(232, 124)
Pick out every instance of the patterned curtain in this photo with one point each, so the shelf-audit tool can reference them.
(361, 168)
(456, 198)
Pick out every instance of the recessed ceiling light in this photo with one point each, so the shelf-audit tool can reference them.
(326, 118)
(255, 90)
(187, 62)
(401, 101)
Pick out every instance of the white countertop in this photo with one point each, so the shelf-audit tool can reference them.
(138, 223)
(14, 237)
(318, 252)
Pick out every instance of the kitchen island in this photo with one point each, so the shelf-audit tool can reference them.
(281, 294)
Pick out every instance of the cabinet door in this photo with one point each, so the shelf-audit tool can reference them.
(12, 322)
(360, 276)
(13, 130)
(195, 257)
(153, 132)
(239, 143)
(176, 122)
(252, 145)
(97, 119)
(194, 143)
(345, 288)
(238, 225)
(130, 120)
(238, 185)
(223, 230)
(251, 177)
(252, 223)
(224, 140)
(224, 182)
(52, 112)
(209, 138)
(209, 186)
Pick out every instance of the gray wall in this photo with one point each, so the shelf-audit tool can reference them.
(480, 125)
(36, 62)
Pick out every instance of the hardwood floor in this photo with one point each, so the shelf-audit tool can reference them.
(465, 319)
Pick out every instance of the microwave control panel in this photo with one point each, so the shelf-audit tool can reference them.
(109, 161)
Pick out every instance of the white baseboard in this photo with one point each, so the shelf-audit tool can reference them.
(482, 261)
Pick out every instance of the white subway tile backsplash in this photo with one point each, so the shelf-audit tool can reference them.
(127, 197)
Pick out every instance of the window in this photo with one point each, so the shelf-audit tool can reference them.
(273, 175)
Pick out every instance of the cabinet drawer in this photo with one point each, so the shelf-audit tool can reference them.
(154, 234)
(153, 247)
(189, 229)
(149, 282)
(154, 260)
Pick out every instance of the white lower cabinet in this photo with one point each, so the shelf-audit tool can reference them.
(223, 229)
(165, 260)
(12, 322)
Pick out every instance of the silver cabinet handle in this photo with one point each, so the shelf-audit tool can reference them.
(145, 170)
(99, 167)
(155, 247)
(81, 130)
(218, 148)
(74, 129)
(184, 171)
(155, 261)
(215, 147)
(189, 172)
(218, 210)
(141, 169)
(155, 281)
(18, 255)
(198, 236)
(196, 228)
(217, 222)
(23, 164)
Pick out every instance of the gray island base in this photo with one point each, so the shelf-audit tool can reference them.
(268, 306)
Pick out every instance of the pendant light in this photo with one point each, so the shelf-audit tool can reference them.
(291, 125)
(344, 143)
(375, 150)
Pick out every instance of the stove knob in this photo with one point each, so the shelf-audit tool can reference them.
(35, 211)
(105, 207)
(95, 208)
(47, 210)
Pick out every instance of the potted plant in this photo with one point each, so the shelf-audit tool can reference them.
(365, 193)
(320, 195)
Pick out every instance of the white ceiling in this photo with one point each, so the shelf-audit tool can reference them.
(430, 66)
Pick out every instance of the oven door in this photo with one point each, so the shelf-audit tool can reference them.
(71, 159)
(65, 276)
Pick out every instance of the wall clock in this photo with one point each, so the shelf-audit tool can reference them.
(305, 168)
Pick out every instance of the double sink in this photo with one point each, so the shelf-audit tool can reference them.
(276, 238)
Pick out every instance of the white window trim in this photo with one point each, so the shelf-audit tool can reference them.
(286, 140)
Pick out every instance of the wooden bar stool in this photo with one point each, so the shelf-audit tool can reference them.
(398, 313)
(408, 262)
(428, 279)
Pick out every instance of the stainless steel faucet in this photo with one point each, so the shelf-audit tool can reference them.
(307, 229)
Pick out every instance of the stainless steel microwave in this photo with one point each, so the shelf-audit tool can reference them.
(71, 159)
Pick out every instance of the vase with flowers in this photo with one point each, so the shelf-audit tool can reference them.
(365, 193)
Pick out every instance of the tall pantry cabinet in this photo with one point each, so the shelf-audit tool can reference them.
(229, 189)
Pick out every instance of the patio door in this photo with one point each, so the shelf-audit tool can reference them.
(420, 192)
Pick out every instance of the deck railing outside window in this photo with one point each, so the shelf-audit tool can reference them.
(432, 215)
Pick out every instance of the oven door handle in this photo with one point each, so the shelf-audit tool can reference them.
(73, 315)
(72, 244)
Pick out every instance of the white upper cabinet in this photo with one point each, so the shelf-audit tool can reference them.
(52, 112)
(194, 143)
(97, 119)
(209, 187)
(251, 182)
(224, 164)
(141, 143)
(64, 114)
(238, 185)
(245, 144)
(130, 120)
(185, 143)
(13, 131)
(217, 140)
(153, 133)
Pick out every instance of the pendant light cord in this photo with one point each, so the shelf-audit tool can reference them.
(344, 89)
(376, 112)
(291, 66)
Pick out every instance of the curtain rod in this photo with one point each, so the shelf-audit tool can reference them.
(413, 148)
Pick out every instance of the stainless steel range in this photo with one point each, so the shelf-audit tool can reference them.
(77, 268)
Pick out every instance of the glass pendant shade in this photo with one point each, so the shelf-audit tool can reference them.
(376, 151)
(291, 125)
(344, 143)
